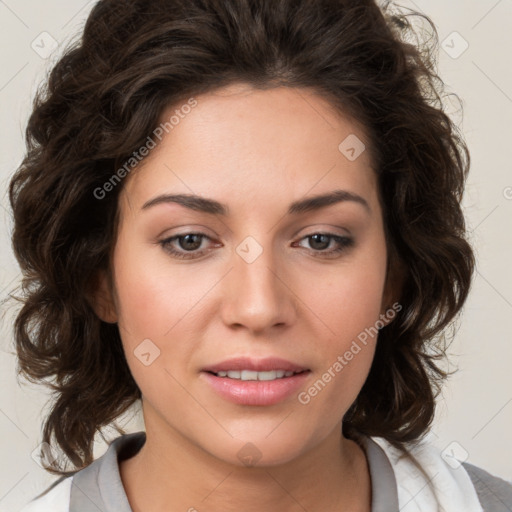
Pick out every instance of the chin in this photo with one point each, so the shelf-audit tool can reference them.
(259, 451)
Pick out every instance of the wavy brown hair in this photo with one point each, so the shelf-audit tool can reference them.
(105, 96)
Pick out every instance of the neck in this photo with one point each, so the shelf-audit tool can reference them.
(171, 473)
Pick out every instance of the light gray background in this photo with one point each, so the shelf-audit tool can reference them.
(475, 410)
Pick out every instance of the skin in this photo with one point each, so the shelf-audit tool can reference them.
(256, 151)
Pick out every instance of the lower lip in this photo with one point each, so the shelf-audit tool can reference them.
(256, 392)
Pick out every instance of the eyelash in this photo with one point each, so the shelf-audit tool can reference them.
(343, 242)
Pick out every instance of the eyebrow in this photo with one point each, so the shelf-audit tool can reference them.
(313, 203)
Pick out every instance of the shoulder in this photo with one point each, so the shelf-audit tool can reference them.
(101, 479)
(55, 498)
(425, 468)
(495, 494)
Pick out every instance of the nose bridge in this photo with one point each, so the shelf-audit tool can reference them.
(256, 297)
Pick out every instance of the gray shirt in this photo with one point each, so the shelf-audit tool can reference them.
(98, 487)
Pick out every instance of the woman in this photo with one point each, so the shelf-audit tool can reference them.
(247, 215)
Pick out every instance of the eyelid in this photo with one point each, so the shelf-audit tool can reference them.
(186, 229)
(313, 229)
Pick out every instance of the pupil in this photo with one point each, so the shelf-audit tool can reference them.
(315, 239)
(187, 239)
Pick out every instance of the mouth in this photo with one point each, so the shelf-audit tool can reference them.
(247, 381)
(254, 375)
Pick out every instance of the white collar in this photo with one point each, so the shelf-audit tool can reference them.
(441, 488)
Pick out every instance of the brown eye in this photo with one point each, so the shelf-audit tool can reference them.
(319, 242)
(190, 242)
(187, 243)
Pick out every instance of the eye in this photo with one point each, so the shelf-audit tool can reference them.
(190, 242)
(321, 241)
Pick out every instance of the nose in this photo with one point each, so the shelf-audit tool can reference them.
(256, 294)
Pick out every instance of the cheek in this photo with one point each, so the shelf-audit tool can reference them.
(159, 305)
(153, 297)
(152, 302)
(350, 308)
(349, 300)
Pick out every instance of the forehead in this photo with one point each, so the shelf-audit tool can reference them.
(241, 144)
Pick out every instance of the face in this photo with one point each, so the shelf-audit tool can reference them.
(261, 284)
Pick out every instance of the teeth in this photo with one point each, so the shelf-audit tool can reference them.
(270, 375)
(252, 375)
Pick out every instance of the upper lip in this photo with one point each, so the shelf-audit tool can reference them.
(258, 365)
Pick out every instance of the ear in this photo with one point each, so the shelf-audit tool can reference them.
(101, 297)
